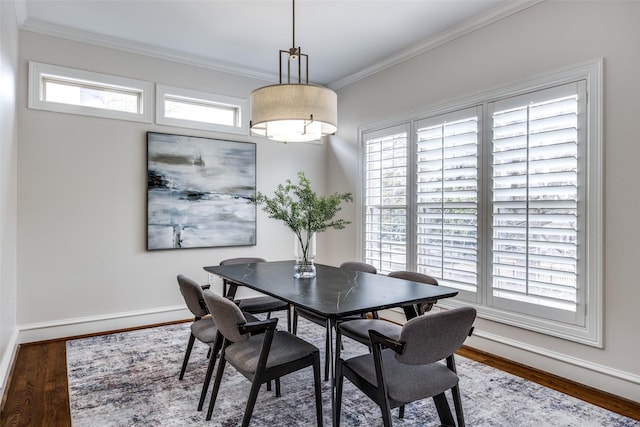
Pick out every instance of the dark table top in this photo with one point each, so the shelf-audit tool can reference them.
(334, 292)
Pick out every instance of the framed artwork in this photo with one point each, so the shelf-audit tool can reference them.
(200, 192)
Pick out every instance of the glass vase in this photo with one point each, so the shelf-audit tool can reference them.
(304, 251)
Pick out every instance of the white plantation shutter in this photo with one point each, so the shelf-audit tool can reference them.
(447, 198)
(386, 199)
(498, 195)
(536, 197)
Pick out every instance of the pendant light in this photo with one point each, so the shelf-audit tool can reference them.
(294, 111)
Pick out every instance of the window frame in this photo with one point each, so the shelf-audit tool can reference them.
(40, 72)
(591, 307)
(204, 99)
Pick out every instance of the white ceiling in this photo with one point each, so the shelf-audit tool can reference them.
(345, 39)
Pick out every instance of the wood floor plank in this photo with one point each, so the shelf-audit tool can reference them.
(22, 408)
(57, 403)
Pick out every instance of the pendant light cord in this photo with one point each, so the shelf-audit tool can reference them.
(294, 23)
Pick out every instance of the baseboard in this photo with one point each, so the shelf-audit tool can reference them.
(95, 324)
(7, 363)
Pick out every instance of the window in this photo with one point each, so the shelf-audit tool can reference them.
(67, 90)
(498, 196)
(535, 212)
(386, 199)
(200, 110)
(447, 198)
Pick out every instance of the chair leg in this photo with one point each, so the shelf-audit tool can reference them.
(294, 326)
(214, 350)
(401, 412)
(338, 397)
(192, 338)
(457, 404)
(327, 343)
(317, 387)
(207, 381)
(253, 396)
(216, 385)
(338, 342)
(278, 387)
(386, 412)
(444, 412)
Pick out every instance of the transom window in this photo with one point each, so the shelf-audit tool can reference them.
(200, 110)
(498, 196)
(68, 90)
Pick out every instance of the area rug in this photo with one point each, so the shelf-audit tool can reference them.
(131, 379)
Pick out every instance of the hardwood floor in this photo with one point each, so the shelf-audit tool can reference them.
(37, 390)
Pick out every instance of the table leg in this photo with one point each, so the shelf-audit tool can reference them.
(332, 368)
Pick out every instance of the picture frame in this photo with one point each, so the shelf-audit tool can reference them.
(200, 192)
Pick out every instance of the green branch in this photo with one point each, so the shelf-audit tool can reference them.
(301, 209)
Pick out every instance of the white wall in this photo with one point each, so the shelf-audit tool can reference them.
(548, 36)
(8, 186)
(82, 263)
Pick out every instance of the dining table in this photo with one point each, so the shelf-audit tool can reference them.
(334, 293)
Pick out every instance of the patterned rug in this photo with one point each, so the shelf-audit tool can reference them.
(131, 379)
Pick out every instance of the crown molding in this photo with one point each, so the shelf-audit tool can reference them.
(41, 27)
(440, 39)
(20, 7)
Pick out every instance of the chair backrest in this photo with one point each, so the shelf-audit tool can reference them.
(248, 260)
(236, 261)
(192, 294)
(423, 307)
(435, 336)
(414, 277)
(359, 266)
(226, 315)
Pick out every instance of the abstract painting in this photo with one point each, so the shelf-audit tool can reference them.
(199, 192)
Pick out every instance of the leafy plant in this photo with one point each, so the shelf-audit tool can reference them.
(302, 210)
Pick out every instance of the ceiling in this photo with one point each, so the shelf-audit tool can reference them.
(345, 39)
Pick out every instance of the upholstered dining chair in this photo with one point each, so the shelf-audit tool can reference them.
(203, 328)
(411, 368)
(321, 320)
(260, 357)
(358, 329)
(256, 305)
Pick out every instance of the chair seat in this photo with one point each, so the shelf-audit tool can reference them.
(262, 304)
(204, 330)
(359, 329)
(405, 383)
(284, 348)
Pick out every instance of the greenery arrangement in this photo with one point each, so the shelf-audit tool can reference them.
(303, 211)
